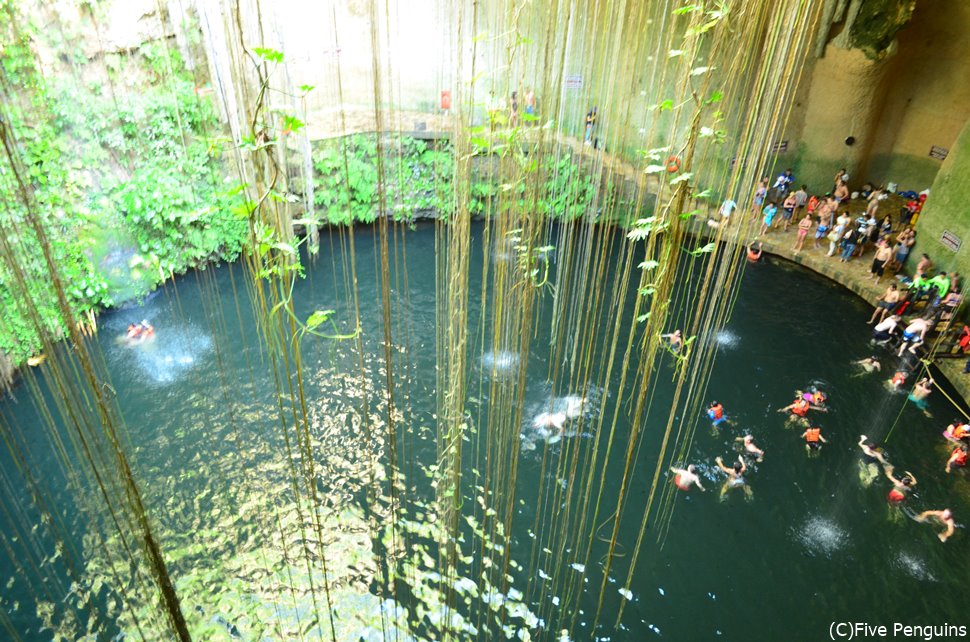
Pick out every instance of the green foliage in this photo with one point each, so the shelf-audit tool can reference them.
(138, 164)
(419, 176)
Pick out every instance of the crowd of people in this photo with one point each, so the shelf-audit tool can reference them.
(928, 298)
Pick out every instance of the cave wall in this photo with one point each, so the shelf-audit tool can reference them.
(898, 91)
(948, 210)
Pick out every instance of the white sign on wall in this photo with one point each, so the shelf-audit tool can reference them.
(951, 240)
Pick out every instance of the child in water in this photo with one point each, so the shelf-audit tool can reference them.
(716, 413)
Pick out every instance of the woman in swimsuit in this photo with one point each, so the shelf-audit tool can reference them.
(735, 476)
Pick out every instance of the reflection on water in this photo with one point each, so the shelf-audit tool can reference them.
(821, 536)
(727, 339)
(913, 566)
(499, 364)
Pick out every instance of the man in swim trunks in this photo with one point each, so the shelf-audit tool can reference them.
(885, 303)
(922, 389)
(751, 447)
(684, 478)
(914, 334)
(901, 487)
(873, 453)
(944, 517)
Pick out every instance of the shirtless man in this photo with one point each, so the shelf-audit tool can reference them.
(914, 334)
(735, 476)
(886, 328)
(884, 254)
(676, 339)
(944, 517)
(869, 364)
(922, 389)
(684, 478)
(884, 304)
(751, 447)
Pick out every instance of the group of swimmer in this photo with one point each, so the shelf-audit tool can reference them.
(798, 414)
(139, 332)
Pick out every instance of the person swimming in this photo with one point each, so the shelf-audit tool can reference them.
(957, 431)
(898, 380)
(750, 447)
(922, 389)
(754, 252)
(813, 439)
(872, 459)
(957, 458)
(901, 486)
(716, 413)
(675, 339)
(735, 476)
(550, 424)
(684, 478)
(139, 331)
(944, 517)
(869, 364)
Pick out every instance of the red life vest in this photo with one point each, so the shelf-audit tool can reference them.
(801, 408)
(812, 435)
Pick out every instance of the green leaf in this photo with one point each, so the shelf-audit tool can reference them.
(269, 55)
(648, 265)
(306, 89)
(707, 249)
(716, 97)
(318, 317)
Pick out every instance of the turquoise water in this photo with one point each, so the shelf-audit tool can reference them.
(812, 545)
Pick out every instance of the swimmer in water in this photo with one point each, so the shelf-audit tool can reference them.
(901, 486)
(898, 380)
(873, 452)
(684, 478)
(872, 459)
(754, 252)
(751, 447)
(813, 439)
(735, 476)
(957, 458)
(944, 517)
(922, 389)
(957, 431)
(869, 364)
(550, 423)
(716, 413)
(676, 339)
(799, 408)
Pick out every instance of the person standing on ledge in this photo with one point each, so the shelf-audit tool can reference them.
(769, 215)
(590, 123)
(944, 517)
(804, 226)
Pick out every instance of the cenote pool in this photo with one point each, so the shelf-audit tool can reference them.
(814, 543)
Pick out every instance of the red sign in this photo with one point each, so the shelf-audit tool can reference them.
(445, 99)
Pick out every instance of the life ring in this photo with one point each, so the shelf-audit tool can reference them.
(673, 164)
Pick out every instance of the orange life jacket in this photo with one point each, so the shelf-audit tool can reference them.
(959, 457)
(812, 435)
(960, 431)
(717, 411)
(899, 378)
(801, 408)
